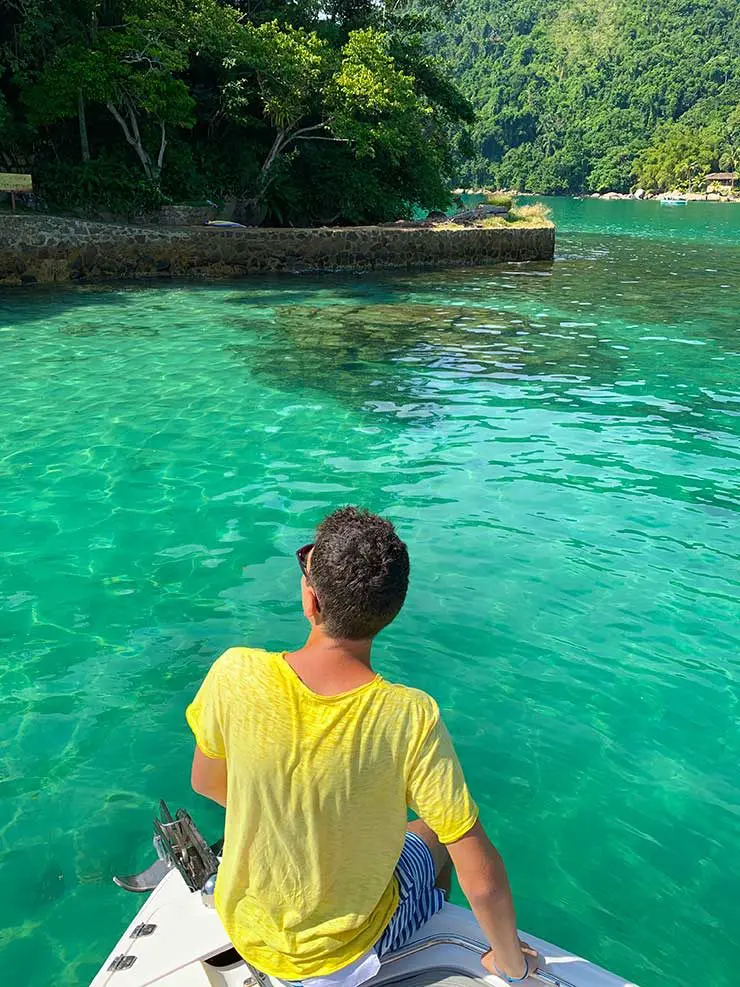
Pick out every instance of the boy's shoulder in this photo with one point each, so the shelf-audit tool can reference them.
(239, 661)
(414, 702)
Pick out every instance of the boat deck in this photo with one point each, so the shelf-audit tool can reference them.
(176, 941)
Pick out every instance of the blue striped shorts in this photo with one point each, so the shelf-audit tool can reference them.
(419, 899)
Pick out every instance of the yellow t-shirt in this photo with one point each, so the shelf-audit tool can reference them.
(316, 810)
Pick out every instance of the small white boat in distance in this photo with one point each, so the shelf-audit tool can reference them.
(673, 199)
(177, 940)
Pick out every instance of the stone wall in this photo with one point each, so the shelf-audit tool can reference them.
(48, 249)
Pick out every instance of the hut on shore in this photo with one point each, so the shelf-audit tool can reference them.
(726, 179)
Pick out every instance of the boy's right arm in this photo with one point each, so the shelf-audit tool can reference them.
(482, 876)
(437, 793)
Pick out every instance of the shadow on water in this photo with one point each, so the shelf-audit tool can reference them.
(380, 351)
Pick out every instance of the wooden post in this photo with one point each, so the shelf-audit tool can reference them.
(12, 199)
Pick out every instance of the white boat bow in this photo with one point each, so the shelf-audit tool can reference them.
(177, 940)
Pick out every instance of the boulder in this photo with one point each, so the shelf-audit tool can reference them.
(639, 193)
(469, 217)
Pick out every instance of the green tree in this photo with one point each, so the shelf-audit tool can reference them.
(373, 103)
(677, 157)
(130, 68)
(336, 111)
(729, 154)
(287, 69)
(356, 96)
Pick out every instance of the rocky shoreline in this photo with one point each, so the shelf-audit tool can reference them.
(639, 195)
(643, 196)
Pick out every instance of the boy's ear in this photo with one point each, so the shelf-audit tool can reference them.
(311, 608)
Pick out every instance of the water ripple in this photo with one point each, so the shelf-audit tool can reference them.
(560, 448)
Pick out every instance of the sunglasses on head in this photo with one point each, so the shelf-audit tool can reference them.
(302, 556)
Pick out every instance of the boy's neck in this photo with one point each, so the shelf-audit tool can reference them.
(329, 666)
(337, 650)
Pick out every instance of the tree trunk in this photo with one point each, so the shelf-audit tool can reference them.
(162, 146)
(152, 172)
(252, 211)
(277, 146)
(82, 117)
(132, 135)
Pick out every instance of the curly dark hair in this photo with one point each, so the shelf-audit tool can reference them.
(360, 572)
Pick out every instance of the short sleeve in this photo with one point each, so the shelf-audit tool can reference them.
(436, 789)
(205, 715)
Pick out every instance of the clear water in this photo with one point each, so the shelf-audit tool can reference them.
(559, 445)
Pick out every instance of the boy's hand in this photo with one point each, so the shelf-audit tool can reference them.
(529, 955)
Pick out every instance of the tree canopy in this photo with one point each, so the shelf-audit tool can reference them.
(590, 95)
(303, 112)
(351, 111)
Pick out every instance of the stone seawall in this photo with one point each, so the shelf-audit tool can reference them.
(50, 249)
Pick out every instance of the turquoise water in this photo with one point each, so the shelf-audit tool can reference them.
(559, 445)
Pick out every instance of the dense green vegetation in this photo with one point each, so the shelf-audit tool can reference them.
(302, 112)
(577, 95)
(344, 111)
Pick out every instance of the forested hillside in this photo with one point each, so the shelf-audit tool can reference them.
(304, 112)
(591, 95)
(344, 111)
